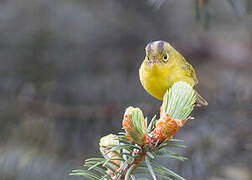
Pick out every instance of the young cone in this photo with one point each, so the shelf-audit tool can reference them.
(109, 141)
(177, 105)
(134, 125)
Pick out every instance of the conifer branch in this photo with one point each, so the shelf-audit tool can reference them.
(124, 154)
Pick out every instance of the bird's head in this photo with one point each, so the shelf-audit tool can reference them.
(158, 52)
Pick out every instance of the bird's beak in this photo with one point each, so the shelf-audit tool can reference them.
(153, 61)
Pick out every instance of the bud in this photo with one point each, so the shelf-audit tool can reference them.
(165, 128)
(134, 125)
(178, 103)
(109, 141)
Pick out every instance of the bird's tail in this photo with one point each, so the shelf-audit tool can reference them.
(200, 101)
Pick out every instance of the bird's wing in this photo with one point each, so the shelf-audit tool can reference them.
(187, 67)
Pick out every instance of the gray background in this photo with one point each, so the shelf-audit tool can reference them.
(69, 68)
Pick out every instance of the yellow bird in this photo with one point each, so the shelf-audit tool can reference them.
(163, 65)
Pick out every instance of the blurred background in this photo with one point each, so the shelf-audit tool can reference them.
(69, 68)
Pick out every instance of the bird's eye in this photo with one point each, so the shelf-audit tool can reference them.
(166, 58)
(148, 58)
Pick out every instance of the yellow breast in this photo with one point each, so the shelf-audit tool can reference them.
(157, 78)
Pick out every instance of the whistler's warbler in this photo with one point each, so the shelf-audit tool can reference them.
(163, 65)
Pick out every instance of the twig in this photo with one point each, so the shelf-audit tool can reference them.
(140, 155)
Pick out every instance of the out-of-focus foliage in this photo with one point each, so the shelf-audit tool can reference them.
(203, 9)
(68, 69)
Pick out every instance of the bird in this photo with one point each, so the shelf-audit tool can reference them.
(162, 66)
